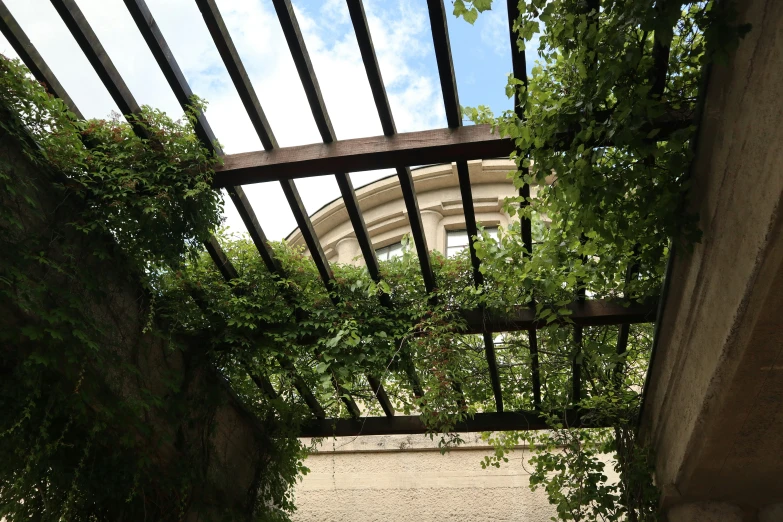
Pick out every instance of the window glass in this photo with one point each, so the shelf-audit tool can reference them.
(457, 240)
(389, 251)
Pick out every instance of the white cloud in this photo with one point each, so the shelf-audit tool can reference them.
(400, 32)
(493, 27)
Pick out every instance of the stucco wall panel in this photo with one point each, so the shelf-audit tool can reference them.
(416, 484)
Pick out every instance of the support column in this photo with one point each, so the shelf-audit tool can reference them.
(431, 220)
(348, 251)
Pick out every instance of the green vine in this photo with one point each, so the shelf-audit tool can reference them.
(605, 143)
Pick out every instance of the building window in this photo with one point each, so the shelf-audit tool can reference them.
(389, 251)
(457, 240)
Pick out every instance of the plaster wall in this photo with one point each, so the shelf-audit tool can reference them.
(713, 408)
(405, 478)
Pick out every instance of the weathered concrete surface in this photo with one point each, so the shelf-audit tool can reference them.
(212, 424)
(714, 411)
(405, 478)
(706, 512)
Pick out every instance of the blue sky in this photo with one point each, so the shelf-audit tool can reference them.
(403, 42)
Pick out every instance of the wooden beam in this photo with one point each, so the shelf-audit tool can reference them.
(380, 394)
(170, 68)
(367, 50)
(176, 79)
(230, 56)
(228, 52)
(412, 424)
(596, 312)
(448, 81)
(377, 152)
(95, 53)
(401, 150)
(518, 59)
(494, 377)
(29, 55)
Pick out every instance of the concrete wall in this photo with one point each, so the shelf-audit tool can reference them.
(713, 409)
(440, 203)
(405, 478)
(226, 440)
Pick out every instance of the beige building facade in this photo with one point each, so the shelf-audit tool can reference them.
(405, 477)
(440, 203)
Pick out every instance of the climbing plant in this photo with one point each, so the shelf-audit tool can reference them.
(600, 137)
(593, 129)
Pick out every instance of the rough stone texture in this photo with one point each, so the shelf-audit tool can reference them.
(772, 513)
(405, 478)
(713, 410)
(706, 512)
(224, 433)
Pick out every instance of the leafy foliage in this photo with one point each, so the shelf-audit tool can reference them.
(600, 140)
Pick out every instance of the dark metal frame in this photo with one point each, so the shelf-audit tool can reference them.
(456, 143)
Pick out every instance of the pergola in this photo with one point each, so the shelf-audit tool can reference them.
(338, 157)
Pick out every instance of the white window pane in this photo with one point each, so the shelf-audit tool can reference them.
(456, 238)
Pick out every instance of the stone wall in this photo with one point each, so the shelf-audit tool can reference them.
(213, 425)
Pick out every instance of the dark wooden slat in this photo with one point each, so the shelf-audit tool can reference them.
(527, 239)
(304, 67)
(367, 50)
(220, 259)
(417, 228)
(625, 329)
(478, 279)
(380, 394)
(595, 312)
(518, 60)
(29, 55)
(247, 94)
(576, 379)
(401, 150)
(308, 233)
(168, 65)
(448, 82)
(359, 226)
(519, 68)
(287, 18)
(99, 59)
(470, 218)
(263, 384)
(182, 91)
(245, 210)
(412, 424)
(228, 52)
(377, 152)
(489, 350)
(345, 397)
(302, 388)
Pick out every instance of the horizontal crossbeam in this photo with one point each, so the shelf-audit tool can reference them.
(412, 424)
(378, 152)
(597, 312)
